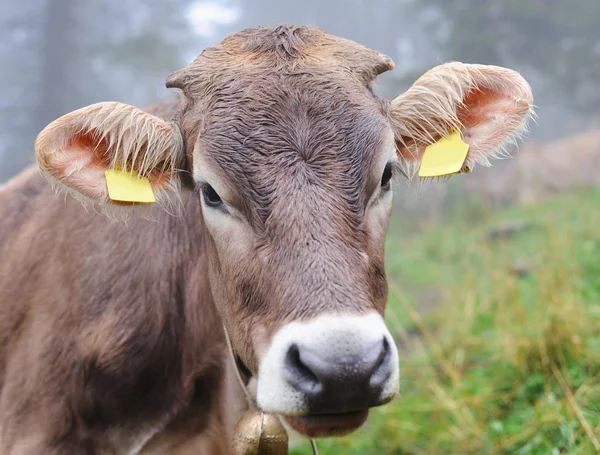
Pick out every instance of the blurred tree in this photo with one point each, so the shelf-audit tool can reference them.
(57, 48)
(20, 34)
(128, 48)
(556, 39)
(59, 55)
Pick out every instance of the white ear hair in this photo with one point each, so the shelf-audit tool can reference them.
(435, 102)
(127, 131)
(76, 149)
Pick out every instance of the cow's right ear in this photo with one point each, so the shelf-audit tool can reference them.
(75, 150)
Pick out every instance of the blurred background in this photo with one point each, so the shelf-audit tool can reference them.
(494, 276)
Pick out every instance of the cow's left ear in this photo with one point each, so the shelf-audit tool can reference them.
(142, 154)
(489, 105)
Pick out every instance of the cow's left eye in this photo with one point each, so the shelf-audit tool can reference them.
(386, 178)
(211, 197)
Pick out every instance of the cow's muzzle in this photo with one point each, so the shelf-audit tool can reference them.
(323, 375)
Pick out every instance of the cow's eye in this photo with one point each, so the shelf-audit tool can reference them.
(386, 178)
(211, 198)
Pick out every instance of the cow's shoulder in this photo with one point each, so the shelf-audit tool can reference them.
(106, 328)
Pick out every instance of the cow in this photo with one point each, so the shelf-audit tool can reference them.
(272, 175)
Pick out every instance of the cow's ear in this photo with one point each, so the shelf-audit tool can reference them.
(488, 105)
(76, 150)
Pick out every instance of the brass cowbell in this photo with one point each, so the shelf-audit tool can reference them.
(259, 433)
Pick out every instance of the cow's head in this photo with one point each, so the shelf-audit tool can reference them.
(293, 156)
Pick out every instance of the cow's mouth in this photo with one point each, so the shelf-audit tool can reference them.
(326, 425)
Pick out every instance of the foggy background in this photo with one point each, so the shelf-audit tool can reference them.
(59, 55)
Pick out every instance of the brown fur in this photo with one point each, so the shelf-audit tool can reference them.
(112, 331)
(110, 336)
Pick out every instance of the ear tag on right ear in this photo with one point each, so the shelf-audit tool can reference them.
(128, 186)
(445, 157)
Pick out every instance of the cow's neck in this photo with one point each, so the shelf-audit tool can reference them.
(203, 338)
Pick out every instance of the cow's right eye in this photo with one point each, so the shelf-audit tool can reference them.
(386, 178)
(211, 198)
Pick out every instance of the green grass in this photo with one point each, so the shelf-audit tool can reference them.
(506, 358)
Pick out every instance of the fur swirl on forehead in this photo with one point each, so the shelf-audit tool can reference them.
(288, 42)
(284, 139)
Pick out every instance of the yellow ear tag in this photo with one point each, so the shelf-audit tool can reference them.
(445, 157)
(125, 186)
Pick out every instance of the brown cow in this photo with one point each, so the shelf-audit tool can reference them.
(275, 169)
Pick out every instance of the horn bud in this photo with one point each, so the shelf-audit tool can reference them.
(389, 62)
(259, 433)
(178, 79)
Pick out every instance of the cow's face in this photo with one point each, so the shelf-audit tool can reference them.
(293, 157)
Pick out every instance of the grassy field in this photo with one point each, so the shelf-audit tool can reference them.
(503, 356)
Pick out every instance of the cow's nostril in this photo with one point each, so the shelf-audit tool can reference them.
(343, 383)
(299, 374)
(382, 371)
